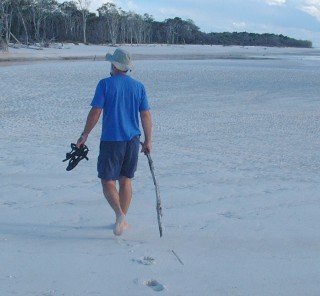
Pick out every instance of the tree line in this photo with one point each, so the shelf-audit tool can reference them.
(46, 21)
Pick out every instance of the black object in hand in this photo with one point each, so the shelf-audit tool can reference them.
(75, 155)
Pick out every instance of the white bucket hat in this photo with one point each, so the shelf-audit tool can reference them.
(121, 59)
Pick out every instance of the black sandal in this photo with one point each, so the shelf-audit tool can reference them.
(75, 155)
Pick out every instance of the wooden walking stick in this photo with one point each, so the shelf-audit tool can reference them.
(159, 207)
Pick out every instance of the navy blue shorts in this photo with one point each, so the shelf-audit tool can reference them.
(117, 159)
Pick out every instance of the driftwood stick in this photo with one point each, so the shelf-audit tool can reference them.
(14, 37)
(174, 253)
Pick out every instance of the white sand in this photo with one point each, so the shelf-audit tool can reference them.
(236, 154)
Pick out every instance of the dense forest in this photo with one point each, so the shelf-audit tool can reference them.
(47, 21)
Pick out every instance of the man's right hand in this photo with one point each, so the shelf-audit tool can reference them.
(83, 138)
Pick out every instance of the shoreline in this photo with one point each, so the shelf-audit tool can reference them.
(71, 52)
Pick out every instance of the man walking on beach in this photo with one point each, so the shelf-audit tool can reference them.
(122, 99)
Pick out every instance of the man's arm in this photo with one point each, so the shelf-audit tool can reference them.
(92, 119)
(147, 129)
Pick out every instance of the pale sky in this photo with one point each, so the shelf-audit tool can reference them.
(299, 19)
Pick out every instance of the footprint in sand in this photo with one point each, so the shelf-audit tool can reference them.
(154, 285)
(146, 260)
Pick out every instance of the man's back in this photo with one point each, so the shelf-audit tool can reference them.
(121, 98)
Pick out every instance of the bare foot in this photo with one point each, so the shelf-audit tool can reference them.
(120, 225)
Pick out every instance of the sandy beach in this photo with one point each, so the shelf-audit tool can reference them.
(236, 155)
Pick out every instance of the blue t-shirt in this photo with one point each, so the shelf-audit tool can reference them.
(122, 98)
